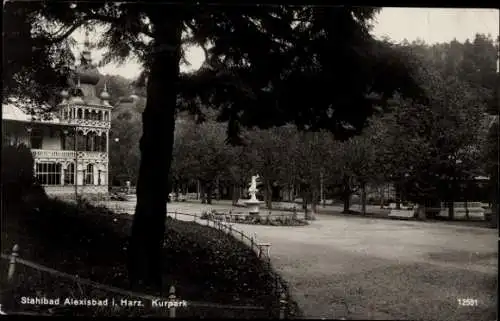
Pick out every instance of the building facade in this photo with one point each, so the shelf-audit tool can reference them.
(70, 144)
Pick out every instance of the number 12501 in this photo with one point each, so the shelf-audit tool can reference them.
(468, 302)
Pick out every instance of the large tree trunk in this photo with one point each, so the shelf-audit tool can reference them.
(494, 203)
(203, 189)
(148, 226)
(235, 193)
(451, 210)
(363, 198)
(218, 189)
(304, 198)
(346, 194)
(420, 211)
(314, 203)
(176, 190)
(451, 200)
(398, 195)
(382, 196)
(494, 214)
(347, 202)
(209, 191)
(269, 195)
(305, 206)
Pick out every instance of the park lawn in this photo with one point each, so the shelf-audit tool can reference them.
(203, 264)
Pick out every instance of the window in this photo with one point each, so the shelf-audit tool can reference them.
(69, 175)
(99, 178)
(79, 113)
(98, 144)
(36, 138)
(80, 141)
(9, 140)
(63, 140)
(90, 141)
(104, 142)
(89, 175)
(68, 141)
(48, 173)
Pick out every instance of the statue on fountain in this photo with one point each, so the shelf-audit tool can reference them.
(252, 190)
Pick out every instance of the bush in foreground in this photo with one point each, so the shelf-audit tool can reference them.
(16, 173)
(273, 220)
(203, 263)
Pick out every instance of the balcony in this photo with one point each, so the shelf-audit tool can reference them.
(47, 154)
(88, 123)
(50, 154)
(95, 156)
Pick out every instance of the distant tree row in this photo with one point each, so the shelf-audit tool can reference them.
(426, 149)
(416, 146)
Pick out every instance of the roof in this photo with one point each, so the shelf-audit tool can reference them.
(12, 112)
(16, 110)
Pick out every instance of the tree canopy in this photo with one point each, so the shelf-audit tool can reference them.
(261, 60)
(315, 67)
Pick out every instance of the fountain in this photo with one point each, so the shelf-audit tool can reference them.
(253, 203)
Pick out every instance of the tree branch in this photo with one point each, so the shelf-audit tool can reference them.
(194, 30)
(101, 18)
(146, 31)
(108, 19)
(65, 34)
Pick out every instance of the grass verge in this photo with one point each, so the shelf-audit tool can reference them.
(203, 264)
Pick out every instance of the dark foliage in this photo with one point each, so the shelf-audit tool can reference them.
(36, 63)
(17, 173)
(203, 263)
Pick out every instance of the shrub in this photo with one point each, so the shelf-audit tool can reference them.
(256, 220)
(118, 197)
(204, 215)
(93, 246)
(17, 173)
(35, 196)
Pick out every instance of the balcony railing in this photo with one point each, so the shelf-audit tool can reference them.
(88, 122)
(92, 155)
(46, 153)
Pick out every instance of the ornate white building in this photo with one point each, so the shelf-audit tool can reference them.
(70, 147)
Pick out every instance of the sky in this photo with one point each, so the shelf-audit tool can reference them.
(429, 24)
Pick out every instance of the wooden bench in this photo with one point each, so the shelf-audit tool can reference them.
(461, 210)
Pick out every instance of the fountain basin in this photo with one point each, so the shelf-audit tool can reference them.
(253, 206)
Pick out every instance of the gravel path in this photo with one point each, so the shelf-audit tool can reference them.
(382, 269)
